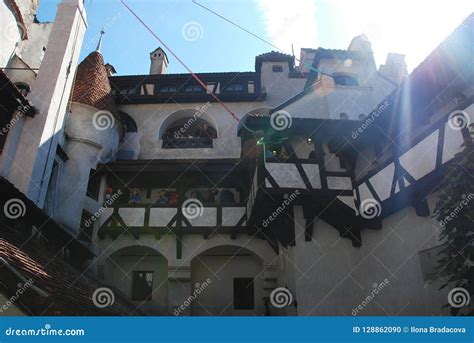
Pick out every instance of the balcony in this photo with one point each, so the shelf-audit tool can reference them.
(182, 88)
(155, 219)
(187, 143)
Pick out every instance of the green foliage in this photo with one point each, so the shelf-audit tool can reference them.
(455, 212)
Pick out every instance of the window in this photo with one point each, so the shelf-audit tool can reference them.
(93, 185)
(277, 69)
(168, 89)
(243, 294)
(345, 80)
(234, 87)
(142, 286)
(193, 89)
(187, 133)
(251, 87)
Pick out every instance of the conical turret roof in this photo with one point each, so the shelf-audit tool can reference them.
(92, 86)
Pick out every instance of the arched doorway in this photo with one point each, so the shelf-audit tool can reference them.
(236, 282)
(141, 274)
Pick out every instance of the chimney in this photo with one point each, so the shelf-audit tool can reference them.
(159, 62)
(33, 160)
(110, 69)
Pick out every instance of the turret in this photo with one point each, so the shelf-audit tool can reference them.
(93, 132)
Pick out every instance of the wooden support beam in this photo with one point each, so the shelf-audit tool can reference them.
(179, 246)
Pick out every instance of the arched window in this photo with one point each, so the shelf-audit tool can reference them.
(189, 132)
(128, 122)
(345, 80)
(130, 146)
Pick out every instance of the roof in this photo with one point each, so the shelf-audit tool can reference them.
(56, 287)
(36, 216)
(273, 56)
(184, 75)
(50, 285)
(91, 86)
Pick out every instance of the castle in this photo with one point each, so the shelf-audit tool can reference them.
(294, 189)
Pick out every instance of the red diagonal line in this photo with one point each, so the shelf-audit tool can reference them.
(181, 61)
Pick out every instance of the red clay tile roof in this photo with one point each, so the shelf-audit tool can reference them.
(69, 291)
(92, 86)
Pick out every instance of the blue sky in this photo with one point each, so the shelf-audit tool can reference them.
(411, 27)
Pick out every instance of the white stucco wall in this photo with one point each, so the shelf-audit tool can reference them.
(119, 273)
(193, 267)
(85, 147)
(328, 101)
(332, 277)
(152, 120)
(278, 86)
(217, 298)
